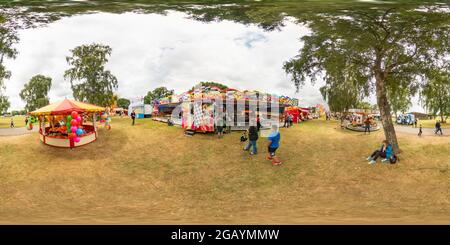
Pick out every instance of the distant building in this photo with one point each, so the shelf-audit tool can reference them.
(420, 115)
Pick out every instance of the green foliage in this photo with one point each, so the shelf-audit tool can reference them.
(399, 98)
(435, 95)
(89, 80)
(364, 105)
(4, 104)
(340, 96)
(385, 49)
(156, 94)
(8, 37)
(35, 92)
(123, 103)
(211, 84)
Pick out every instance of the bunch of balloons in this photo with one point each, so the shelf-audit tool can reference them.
(73, 129)
(31, 121)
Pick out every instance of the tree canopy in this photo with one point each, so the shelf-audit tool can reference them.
(35, 92)
(89, 79)
(156, 94)
(380, 48)
(123, 103)
(435, 95)
(8, 37)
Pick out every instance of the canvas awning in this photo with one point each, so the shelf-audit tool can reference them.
(65, 107)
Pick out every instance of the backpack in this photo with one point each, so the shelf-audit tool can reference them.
(243, 138)
(393, 159)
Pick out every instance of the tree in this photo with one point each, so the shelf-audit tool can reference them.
(89, 80)
(374, 107)
(4, 104)
(340, 96)
(364, 105)
(382, 47)
(8, 37)
(156, 94)
(123, 103)
(35, 92)
(399, 98)
(211, 84)
(435, 95)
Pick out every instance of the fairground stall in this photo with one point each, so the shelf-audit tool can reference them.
(295, 112)
(196, 108)
(68, 123)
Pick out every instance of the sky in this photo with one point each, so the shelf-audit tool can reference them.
(151, 50)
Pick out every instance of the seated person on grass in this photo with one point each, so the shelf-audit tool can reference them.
(385, 151)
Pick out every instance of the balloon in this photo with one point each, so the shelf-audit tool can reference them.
(72, 136)
(73, 122)
(78, 119)
(79, 131)
(74, 114)
(69, 118)
(73, 128)
(77, 139)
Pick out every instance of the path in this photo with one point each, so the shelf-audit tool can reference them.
(16, 131)
(425, 131)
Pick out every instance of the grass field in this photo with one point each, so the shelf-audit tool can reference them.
(431, 123)
(152, 173)
(19, 121)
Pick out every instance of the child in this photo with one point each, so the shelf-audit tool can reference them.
(12, 123)
(273, 145)
(420, 131)
(252, 138)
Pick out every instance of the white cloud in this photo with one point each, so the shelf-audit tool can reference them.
(152, 50)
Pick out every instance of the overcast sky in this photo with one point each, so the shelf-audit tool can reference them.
(151, 50)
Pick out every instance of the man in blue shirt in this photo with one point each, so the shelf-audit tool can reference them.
(273, 145)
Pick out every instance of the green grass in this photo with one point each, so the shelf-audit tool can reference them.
(19, 121)
(152, 173)
(431, 123)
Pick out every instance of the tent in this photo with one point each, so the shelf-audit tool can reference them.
(294, 111)
(57, 132)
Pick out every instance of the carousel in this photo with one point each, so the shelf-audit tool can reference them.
(356, 122)
(68, 123)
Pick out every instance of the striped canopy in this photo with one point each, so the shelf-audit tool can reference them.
(65, 107)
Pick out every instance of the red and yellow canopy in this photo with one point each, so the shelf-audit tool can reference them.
(65, 107)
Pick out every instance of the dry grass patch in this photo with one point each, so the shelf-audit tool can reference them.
(152, 173)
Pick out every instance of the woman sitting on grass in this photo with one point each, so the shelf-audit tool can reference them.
(385, 151)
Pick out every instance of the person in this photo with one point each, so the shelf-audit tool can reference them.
(252, 138)
(420, 131)
(258, 122)
(415, 122)
(438, 127)
(367, 125)
(385, 151)
(286, 120)
(12, 123)
(291, 120)
(219, 125)
(229, 121)
(26, 121)
(273, 145)
(133, 117)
